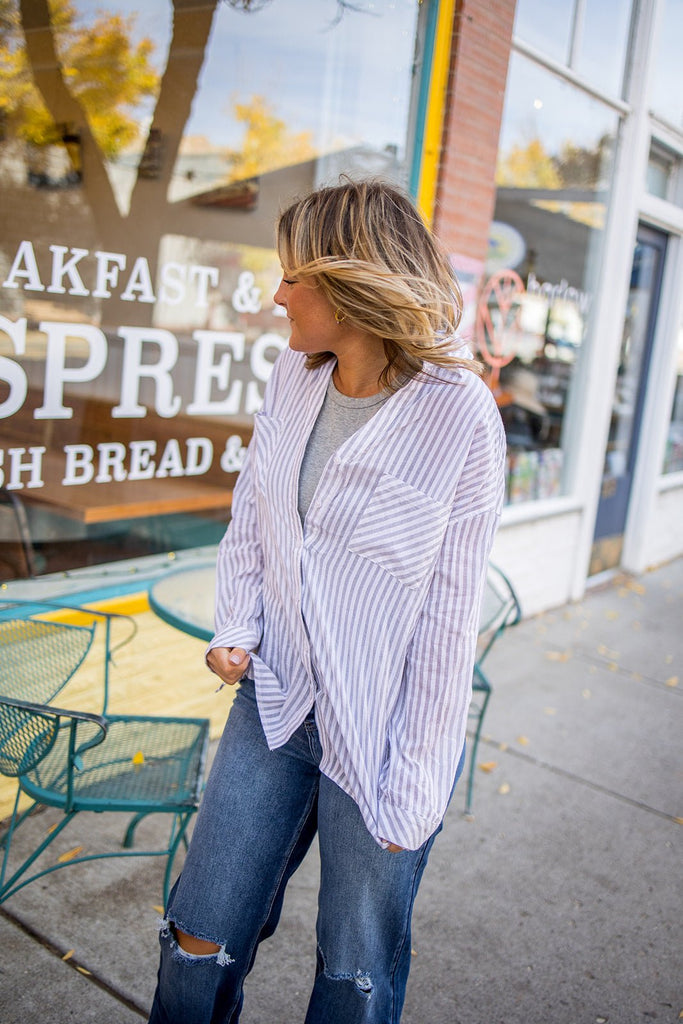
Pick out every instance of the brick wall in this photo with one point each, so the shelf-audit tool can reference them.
(476, 90)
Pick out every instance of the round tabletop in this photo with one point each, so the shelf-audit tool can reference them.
(185, 599)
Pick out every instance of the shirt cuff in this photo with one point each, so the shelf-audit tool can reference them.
(403, 827)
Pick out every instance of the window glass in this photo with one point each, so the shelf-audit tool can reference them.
(553, 179)
(590, 37)
(660, 167)
(145, 150)
(603, 43)
(673, 458)
(667, 79)
(546, 25)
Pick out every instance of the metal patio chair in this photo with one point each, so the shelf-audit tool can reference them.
(500, 609)
(78, 761)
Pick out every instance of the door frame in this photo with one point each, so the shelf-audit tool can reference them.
(658, 240)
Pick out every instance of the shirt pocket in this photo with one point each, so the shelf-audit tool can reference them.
(401, 530)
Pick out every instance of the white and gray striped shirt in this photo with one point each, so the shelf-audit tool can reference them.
(370, 611)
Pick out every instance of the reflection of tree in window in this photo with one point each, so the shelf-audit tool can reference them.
(267, 143)
(106, 72)
(56, 70)
(532, 166)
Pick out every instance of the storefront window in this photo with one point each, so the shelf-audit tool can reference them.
(546, 26)
(590, 36)
(673, 457)
(667, 100)
(661, 172)
(553, 178)
(145, 150)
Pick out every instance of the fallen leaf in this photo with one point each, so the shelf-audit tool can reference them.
(139, 758)
(413, 952)
(523, 741)
(69, 855)
(52, 828)
(611, 614)
(488, 766)
(159, 910)
(601, 1020)
(83, 970)
(557, 655)
(69, 954)
(679, 821)
(672, 681)
(502, 746)
(504, 789)
(613, 666)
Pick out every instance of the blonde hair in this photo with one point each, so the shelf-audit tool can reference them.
(367, 248)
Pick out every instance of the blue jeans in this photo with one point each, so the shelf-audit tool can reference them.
(259, 814)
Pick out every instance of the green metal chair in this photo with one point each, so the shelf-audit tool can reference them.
(500, 609)
(78, 761)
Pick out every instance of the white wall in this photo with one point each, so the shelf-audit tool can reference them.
(538, 554)
(664, 538)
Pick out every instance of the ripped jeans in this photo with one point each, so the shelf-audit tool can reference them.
(259, 814)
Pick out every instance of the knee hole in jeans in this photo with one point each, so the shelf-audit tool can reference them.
(197, 947)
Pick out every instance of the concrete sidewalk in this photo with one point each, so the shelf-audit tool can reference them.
(559, 902)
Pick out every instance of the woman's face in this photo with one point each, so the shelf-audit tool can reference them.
(310, 315)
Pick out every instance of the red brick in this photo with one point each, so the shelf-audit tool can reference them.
(466, 186)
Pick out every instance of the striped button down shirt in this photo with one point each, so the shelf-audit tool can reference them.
(369, 612)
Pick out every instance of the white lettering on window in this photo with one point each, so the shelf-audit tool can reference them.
(25, 266)
(10, 372)
(166, 404)
(57, 374)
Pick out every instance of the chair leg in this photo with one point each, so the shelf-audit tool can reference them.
(473, 754)
(9, 887)
(178, 834)
(129, 838)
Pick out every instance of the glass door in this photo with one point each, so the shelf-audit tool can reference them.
(629, 396)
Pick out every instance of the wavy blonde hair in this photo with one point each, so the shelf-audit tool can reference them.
(367, 248)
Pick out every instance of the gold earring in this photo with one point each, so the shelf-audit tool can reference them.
(339, 315)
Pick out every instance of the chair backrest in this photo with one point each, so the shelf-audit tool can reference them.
(500, 609)
(38, 656)
(37, 659)
(26, 736)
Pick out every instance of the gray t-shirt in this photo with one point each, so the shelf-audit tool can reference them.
(339, 418)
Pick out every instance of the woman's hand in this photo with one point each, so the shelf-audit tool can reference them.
(391, 847)
(228, 663)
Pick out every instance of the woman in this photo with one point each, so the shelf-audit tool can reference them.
(349, 584)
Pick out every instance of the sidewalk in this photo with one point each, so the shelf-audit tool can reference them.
(560, 902)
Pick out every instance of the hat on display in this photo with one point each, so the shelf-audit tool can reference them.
(523, 391)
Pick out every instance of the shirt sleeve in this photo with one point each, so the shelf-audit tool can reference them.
(239, 566)
(428, 725)
(239, 572)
